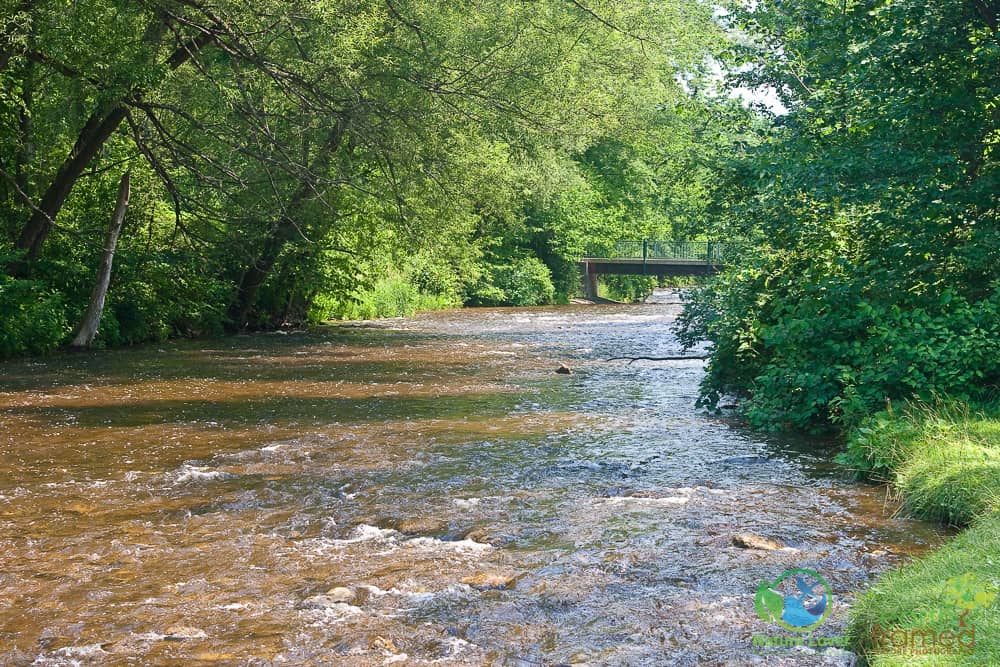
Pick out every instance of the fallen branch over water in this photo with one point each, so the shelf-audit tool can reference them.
(634, 359)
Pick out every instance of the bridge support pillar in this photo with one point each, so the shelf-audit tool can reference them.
(589, 280)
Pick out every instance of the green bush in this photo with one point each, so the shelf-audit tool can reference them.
(519, 281)
(394, 297)
(812, 339)
(432, 275)
(154, 297)
(32, 318)
(878, 446)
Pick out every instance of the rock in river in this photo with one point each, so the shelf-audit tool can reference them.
(422, 526)
(564, 370)
(485, 536)
(341, 594)
(489, 581)
(744, 460)
(183, 632)
(751, 541)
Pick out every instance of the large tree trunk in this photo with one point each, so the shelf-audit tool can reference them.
(101, 124)
(92, 317)
(255, 274)
(95, 132)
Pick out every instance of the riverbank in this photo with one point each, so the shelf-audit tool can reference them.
(944, 461)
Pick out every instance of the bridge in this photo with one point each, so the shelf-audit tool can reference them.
(652, 258)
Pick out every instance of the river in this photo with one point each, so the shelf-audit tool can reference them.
(414, 491)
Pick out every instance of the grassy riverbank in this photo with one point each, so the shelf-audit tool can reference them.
(944, 460)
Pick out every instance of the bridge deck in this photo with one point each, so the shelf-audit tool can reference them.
(651, 266)
(650, 257)
(648, 260)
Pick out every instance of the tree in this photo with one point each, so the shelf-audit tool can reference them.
(872, 206)
(91, 320)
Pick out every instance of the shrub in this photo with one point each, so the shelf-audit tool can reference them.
(520, 281)
(814, 340)
(32, 318)
(156, 296)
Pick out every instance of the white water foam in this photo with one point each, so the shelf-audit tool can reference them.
(364, 533)
(641, 500)
(190, 473)
(85, 651)
(462, 546)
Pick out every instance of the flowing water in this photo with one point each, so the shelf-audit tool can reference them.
(209, 503)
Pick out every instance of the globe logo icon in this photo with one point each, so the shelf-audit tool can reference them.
(799, 600)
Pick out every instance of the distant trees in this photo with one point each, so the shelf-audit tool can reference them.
(283, 143)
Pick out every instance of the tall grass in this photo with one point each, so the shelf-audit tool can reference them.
(391, 296)
(916, 597)
(943, 459)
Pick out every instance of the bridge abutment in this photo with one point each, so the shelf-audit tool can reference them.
(589, 280)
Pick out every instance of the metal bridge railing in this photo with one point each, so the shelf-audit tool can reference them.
(710, 252)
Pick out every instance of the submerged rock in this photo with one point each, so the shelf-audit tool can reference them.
(489, 581)
(745, 460)
(183, 632)
(383, 644)
(485, 536)
(705, 484)
(316, 602)
(422, 526)
(751, 541)
(341, 594)
(327, 602)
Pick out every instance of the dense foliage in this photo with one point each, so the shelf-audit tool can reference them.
(872, 268)
(295, 158)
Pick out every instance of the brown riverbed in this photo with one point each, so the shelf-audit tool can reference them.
(208, 502)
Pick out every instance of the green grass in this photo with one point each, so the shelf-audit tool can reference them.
(915, 597)
(944, 461)
(391, 296)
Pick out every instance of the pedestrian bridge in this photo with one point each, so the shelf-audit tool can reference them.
(652, 258)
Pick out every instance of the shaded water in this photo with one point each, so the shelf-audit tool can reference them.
(207, 503)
